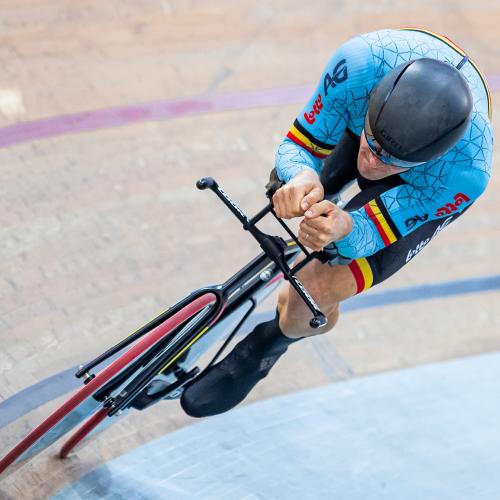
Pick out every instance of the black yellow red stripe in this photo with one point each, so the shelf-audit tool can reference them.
(303, 138)
(458, 49)
(362, 273)
(378, 214)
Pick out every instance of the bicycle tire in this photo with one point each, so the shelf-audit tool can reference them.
(26, 448)
(91, 425)
(83, 431)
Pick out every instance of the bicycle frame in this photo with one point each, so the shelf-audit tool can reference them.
(252, 283)
(273, 247)
(157, 346)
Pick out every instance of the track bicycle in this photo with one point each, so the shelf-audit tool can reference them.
(158, 360)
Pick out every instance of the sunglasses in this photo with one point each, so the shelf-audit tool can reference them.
(383, 155)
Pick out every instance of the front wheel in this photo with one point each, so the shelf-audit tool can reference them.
(79, 406)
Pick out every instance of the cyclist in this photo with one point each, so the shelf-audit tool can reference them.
(407, 114)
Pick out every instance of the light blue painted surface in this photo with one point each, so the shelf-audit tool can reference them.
(426, 433)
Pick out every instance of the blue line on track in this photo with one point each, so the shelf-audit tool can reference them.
(422, 292)
(46, 390)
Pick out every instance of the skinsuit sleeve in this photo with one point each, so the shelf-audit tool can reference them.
(329, 111)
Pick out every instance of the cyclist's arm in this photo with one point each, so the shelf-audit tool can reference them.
(323, 120)
(402, 209)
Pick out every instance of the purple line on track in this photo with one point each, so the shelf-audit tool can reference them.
(88, 121)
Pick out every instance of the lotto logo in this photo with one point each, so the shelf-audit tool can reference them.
(317, 107)
(423, 243)
(453, 207)
(417, 249)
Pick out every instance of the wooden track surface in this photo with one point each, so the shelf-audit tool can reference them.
(100, 231)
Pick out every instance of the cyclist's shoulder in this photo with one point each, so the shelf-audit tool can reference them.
(367, 57)
(352, 63)
(393, 46)
(463, 170)
(413, 42)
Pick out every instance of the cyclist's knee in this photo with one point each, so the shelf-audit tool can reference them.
(328, 286)
(294, 323)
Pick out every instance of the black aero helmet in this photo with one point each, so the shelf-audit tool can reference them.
(419, 111)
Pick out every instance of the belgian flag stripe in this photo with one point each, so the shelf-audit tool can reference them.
(308, 135)
(383, 228)
(458, 49)
(315, 147)
(293, 136)
(387, 217)
(362, 273)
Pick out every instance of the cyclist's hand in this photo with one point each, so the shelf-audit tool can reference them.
(323, 223)
(295, 197)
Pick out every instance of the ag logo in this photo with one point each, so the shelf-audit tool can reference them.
(339, 75)
(413, 221)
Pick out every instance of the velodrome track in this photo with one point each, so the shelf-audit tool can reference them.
(108, 115)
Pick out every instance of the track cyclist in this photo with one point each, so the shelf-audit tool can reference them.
(404, 112)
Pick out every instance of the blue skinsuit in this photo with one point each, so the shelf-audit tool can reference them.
(432, 190)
